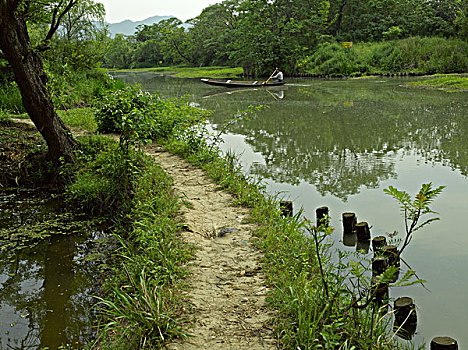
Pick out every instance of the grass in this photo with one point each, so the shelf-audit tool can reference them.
(447, 83)
(418, 55)
(142, 307)
(193, 72)
(79, 117)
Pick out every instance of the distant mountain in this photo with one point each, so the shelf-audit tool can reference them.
(128, 27)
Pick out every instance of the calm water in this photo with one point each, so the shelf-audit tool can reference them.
(339, 143)
(45, 291)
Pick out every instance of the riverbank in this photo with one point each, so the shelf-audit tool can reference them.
(191, 72)
(308, 307)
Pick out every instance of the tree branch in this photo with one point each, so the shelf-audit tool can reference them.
(57, 20)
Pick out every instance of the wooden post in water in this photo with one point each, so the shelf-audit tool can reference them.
(378, 243)
(405, 317)
(391, 253)
(379, 265)
(321, 214)
(405, 311)
(444, 343)
(349, 223)
(349, 239)
(362, 246)
(286, 208)
(362, 231)
(380, 290)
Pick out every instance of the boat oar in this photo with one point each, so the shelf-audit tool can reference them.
(270, 76)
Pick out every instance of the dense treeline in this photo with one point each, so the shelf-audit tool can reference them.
(260, 34)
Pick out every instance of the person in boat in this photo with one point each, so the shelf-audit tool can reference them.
(278, 76)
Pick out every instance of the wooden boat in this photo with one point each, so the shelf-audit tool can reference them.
(239, 83)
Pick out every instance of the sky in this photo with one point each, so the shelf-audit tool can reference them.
(137, 10)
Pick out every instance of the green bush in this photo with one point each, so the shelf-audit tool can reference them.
(415, 54)
(139, 115)
(103, 177)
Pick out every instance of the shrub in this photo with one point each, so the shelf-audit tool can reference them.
(415, 54)
(138, 115)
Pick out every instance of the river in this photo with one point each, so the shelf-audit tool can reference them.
(339, 143)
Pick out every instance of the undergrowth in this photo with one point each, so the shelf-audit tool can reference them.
(412, 55)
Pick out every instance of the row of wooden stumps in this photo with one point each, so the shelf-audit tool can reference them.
(385, 255)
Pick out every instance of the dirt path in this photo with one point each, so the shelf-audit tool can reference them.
(227, 288)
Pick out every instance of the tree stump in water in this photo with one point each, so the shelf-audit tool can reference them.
(391, 253)
(362, 231)
(286, 208)
(349, 223)
(380, 290)
(379, 265)
(321, 214)
(405, 311)
(378, 243)
(444, 343)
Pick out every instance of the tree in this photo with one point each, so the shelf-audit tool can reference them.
(119, 52)
(28, 69)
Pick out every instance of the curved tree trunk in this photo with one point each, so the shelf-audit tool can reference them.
(32, 81)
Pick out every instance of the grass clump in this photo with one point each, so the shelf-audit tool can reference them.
(448, 83)
(79, 117)
(142, 308)
(139, 306)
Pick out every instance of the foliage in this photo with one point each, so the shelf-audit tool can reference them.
(262, 35)
(414, 209)
(142, 307)
(102, 182)
(416, 54)
(139, 116)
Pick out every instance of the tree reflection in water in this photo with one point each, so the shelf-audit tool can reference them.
(44, 291)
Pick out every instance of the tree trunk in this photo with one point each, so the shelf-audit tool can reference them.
(32, 82)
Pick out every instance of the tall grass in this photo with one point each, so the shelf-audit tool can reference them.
(10, 98)
(142, 309)
(415, 54)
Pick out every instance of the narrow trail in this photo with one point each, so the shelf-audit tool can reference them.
(227, 289)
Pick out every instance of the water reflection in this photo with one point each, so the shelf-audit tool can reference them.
(277, 93)
(45, 290)
(339, 147)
